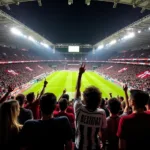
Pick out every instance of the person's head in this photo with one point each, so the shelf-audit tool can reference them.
(12, 97)
(9, 112)
(48, 103)
(114, 106)
(20, 98)
(30, 97)
(63, 104)
(102, 103)
(138, 99)
(121, 98)
(92, 97)
(66, 96)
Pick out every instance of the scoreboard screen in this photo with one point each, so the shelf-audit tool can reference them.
(73, 49)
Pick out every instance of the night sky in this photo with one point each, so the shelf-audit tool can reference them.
(78, 23)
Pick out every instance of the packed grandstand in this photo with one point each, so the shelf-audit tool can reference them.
(72, 96)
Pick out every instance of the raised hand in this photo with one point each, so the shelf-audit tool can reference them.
(82, 69)
(10, 89)
(125, 87)
(110, 95)
(64, 91)
(45, 83)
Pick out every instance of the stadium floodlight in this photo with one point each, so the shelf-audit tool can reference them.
(7, 7)
(70, 2)
(143, 9)
(31, 39)
(100, 46)
(128, 36)
(44, 44)
(113, 42)
(149, 28)
(25, 36)
(115, 5)
(87, 2)
(39, 2)
(139, 31)
(16, 31)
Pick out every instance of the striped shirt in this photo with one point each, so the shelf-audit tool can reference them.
(88, 125)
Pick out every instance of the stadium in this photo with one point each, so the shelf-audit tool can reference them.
(57, 55)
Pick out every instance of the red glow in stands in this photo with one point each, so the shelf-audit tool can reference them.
(145, 74)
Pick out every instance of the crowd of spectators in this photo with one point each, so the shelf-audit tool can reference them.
(128, 76)
(19, 74)
(14, 54)
(11, 54)
(133, 54)
(35, 122)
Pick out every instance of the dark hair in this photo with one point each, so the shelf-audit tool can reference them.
(92, 97)
(20, 98)
(63, 103)
(140, 98)
(121, 98)
(102, 103)
(48, 103)
(114, 105)
(66, 96)
(30, 97)
(12, 97)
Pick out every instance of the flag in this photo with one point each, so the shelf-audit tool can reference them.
(144, 74)
(12, 72)
(122, 70)
(40, 67)
(109, 67)
(28, 68)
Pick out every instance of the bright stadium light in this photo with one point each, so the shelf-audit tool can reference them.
(70, 2)
(25, 36)
(44, 44)
(149, 28)
(139, 31)
(31, 39)
(128, 36)
(100, 46)
(16, 31)
(113, 42)
(87, 2)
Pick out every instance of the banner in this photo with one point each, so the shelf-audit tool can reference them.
(145, 74)
(28, 68)
(109, 67)
(40, 67)
(122, 70)
(79, 61)
(12, 72)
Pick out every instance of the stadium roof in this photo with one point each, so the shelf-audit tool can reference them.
(7, 38)
(135, 36)
(144, 4)
(17, 2)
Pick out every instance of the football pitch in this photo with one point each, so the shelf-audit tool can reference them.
(60, 80)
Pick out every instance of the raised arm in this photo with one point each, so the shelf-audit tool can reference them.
(44, 86)
(125, 88)
(110, 94)
(81, 71)
(64, 91)
(10, 89)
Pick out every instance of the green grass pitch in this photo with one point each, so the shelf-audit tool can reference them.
(60, 80)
